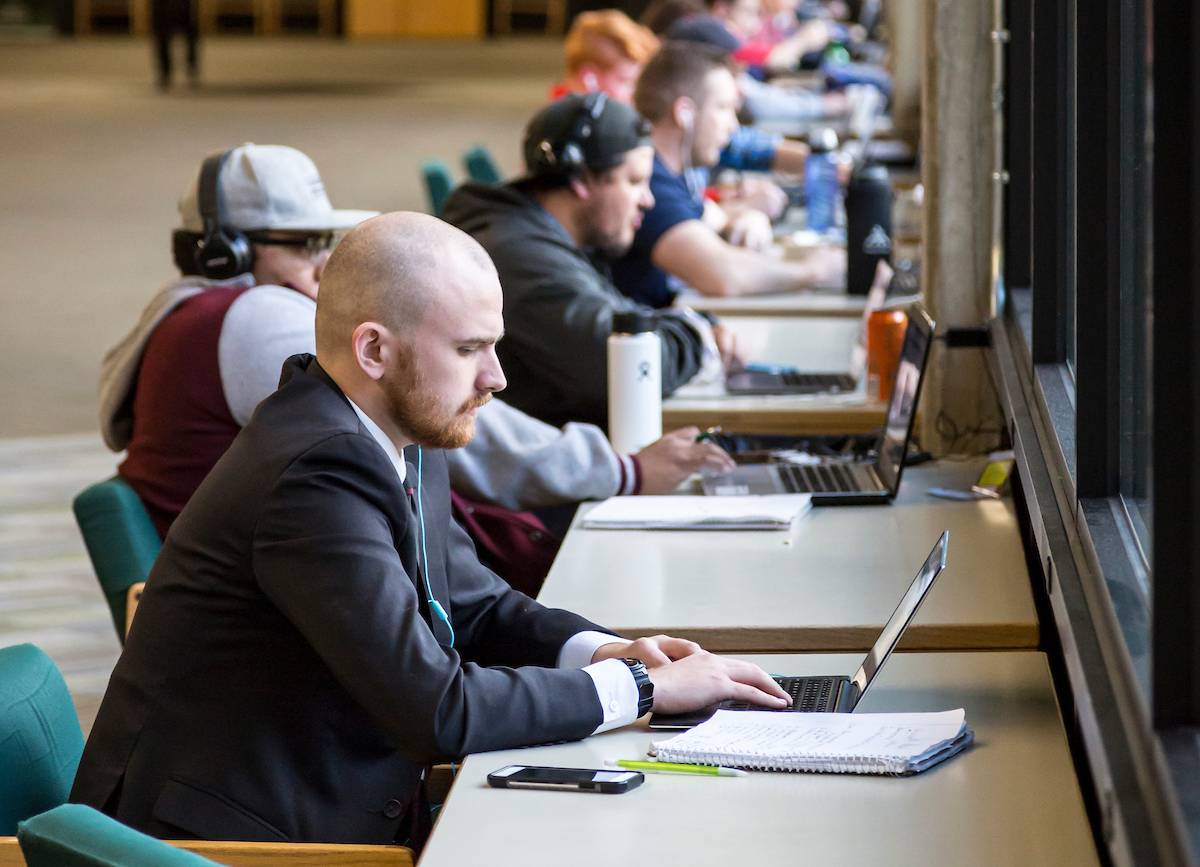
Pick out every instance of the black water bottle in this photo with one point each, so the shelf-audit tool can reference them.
(868, 225)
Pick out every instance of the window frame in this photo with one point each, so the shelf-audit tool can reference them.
(1070, 108)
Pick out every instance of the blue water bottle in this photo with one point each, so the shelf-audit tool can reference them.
(820, 180)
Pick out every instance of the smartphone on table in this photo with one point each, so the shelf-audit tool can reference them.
(615, 782)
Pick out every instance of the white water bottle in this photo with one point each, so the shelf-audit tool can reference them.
(634, 382)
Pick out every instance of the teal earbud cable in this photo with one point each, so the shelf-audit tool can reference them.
(436, 607)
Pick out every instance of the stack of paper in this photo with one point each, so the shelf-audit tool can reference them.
(833, 743)
(771, 512)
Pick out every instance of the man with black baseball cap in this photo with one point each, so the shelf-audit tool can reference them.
(551, 234)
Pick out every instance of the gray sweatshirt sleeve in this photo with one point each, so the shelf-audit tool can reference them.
(521, 463)
(262, 328)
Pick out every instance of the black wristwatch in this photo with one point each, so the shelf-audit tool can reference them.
(645, 686)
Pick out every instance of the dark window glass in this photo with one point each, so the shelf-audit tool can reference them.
(1073, 171)
(1135, 285)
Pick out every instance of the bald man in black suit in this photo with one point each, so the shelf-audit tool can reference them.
(317, 629)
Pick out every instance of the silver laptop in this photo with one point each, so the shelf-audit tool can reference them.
(766, 379)
(849, 484)
(773, 379)
(836, 693)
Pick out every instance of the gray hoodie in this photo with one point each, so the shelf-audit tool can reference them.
(558, 309)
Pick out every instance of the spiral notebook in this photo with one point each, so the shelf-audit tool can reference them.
(896, 744)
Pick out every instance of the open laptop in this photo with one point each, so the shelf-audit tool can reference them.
(758, 379)
(774, 379)
(837, 693)
(849, 484)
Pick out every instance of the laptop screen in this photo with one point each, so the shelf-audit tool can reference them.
(905, 392)
(902, 616)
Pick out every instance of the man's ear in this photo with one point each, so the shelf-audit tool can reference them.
(587, 77)
(579, 188)
(372, 346)
(683, 112)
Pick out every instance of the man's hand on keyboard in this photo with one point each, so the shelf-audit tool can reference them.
(703, 679)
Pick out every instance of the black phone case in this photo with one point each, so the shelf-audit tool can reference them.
(582, 785)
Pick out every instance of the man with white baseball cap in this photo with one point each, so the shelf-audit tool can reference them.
(209, 348)
(257, 230)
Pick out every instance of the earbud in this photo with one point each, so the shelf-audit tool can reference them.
(687, 117)
(435, 607)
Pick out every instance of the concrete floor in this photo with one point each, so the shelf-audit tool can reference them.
(48, 593)
(93, 159)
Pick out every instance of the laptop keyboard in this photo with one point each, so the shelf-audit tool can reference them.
(823, 381)
(809, 694)
(809, 478)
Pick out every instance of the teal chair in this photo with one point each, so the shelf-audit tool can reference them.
(480, 166)
(40, 747)
(438, 184)
(40, 738)
(120, 538)
(73, 835)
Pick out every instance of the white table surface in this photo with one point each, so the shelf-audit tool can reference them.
(817, 304)
(1011, 799)
(828, 583)
(812, 304)
(810, 343)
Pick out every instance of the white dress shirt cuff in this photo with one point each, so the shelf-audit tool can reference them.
(579, 649)
(615, 686)
(617, 691)
(629, 476)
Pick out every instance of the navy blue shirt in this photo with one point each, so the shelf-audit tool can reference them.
(674, 203)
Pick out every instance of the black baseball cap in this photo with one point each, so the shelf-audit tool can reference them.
(705, 29)
(602, 129)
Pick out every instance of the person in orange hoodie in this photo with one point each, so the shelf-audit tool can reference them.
(605, 50)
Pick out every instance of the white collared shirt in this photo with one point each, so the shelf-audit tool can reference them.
(615, 686)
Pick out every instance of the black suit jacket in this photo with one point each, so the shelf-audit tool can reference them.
(282, 680)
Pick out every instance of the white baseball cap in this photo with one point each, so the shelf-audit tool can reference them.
(270, 187)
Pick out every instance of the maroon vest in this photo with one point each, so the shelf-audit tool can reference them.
(181, 420)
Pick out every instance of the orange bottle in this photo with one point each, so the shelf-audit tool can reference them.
(885, 339)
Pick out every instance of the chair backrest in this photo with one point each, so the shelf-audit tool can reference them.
(77, 836)
(40, 738)
(438, 184)
(480, 166)
(121, 540)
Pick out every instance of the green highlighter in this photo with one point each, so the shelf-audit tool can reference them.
(675, 768)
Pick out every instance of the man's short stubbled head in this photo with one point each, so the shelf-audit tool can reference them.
(416, 305)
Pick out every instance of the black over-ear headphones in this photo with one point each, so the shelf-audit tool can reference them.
(566, 155)
(221, 253)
